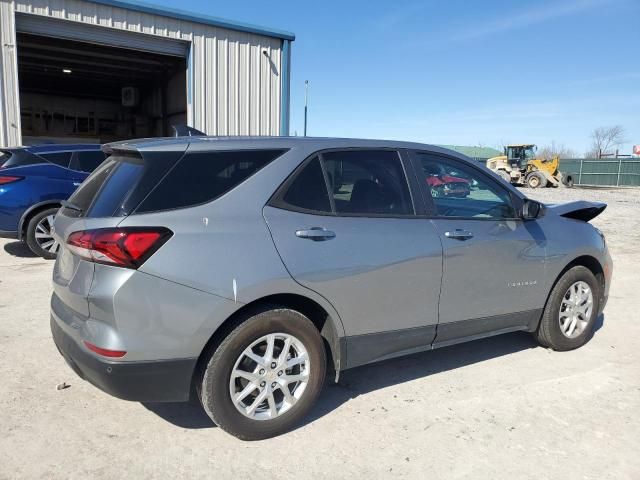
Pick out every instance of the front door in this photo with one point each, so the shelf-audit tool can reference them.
(493, 265)
(345, 227)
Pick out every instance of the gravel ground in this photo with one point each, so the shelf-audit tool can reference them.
(499, 408)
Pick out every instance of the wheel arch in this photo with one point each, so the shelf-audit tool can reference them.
(327, 325)
(34, 210)
(587, 261)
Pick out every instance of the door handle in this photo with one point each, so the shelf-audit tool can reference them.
(317, 234)
(459, 234)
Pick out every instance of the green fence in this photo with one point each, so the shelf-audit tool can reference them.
(612, 172)
(603, 172)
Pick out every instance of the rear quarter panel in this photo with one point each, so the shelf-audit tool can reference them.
(41, 184)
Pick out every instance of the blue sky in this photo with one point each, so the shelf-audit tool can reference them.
(458, 72)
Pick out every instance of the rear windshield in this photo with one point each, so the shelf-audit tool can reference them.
(161, 181)
(119, 184)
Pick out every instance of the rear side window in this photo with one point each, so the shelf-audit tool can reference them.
(203, 176)
(86, 161)
(58, 158)
(308, 190)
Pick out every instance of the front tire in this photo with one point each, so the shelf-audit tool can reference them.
(265, 375)
(570, 314)
(536, 180)
(39, 235)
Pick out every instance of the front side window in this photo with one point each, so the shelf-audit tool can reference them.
(459, 190)
(367, 182)
(350, 182)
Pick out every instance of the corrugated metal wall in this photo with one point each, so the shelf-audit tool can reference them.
(234, 88)
(9, 104)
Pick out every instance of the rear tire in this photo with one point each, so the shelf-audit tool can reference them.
(233, 369)
(39, 238)
(567, 323)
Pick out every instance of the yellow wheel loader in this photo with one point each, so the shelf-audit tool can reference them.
(520, 166)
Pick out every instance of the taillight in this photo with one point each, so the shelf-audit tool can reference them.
(105, 352)
(4, 179)
(127, 247)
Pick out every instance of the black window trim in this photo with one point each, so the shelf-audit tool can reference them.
(276, 200)
(516, 200)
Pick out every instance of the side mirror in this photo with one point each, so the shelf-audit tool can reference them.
(530, 209)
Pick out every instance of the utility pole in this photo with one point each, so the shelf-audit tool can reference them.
(306, 95)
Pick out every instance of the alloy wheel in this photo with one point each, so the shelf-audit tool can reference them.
(576, 309)
(44, 235)
(269, 376)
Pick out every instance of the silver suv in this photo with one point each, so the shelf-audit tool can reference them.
(244, 269)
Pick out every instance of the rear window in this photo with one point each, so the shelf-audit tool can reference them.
(118, 185)
(204, 176)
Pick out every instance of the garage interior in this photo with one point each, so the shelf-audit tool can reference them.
(80, 92)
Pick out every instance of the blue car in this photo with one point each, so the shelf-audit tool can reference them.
(34, 181)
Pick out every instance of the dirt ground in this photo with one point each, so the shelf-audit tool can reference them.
(500, 408)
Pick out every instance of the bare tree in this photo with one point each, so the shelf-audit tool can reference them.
(605, 139)
(547, 152)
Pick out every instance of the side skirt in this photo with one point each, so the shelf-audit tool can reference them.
(375, 347)
(468, 330)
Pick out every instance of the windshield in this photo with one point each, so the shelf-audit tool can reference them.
(530, 153)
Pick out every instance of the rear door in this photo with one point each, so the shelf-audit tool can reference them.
(493, 265)
(362, 247)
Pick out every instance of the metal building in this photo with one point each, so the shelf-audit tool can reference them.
(103, 70)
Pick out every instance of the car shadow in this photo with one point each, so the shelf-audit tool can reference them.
(362, 380)
(189, 414)
(368, 378)
(19, 249)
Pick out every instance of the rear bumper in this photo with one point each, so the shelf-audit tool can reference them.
(152, 381)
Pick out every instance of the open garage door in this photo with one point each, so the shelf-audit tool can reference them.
(82, 83)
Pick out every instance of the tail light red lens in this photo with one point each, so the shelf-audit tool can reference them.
(122, 247)
(4, 179)
(104, 351)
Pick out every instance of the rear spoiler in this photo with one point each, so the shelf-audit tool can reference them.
(186, 131)
(580, 210)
